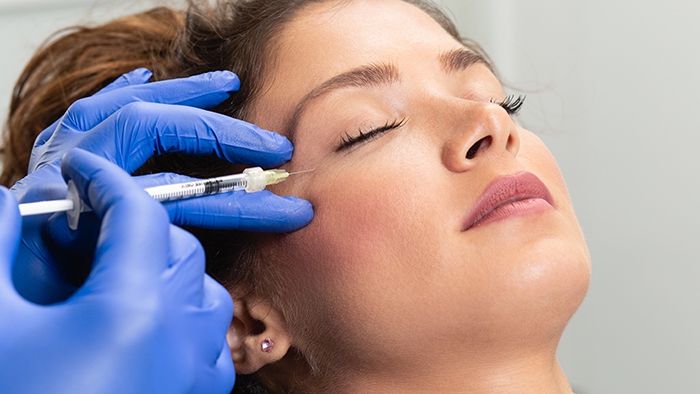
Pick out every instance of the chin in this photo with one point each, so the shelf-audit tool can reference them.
(549, 287)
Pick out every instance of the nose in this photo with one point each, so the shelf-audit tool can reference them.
(479, 131)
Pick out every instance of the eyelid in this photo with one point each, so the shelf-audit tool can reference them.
(348, 141)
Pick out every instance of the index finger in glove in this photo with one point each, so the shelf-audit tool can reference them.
(135, 77)
(150, 128)
(203, 91)
(133, 244)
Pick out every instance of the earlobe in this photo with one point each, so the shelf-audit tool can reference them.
(258, 335)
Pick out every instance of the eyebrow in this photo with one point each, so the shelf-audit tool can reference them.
(365, 76)
(379, 74)
(460, 59)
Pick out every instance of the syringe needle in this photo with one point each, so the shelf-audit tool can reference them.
(301, 172)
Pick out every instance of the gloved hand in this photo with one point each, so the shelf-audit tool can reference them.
(147, 320)
(128, 122)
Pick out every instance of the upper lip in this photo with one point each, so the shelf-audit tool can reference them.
(505, 190)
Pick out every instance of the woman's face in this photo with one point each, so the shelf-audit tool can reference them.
(398, 121)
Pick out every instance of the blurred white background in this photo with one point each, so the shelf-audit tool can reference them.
(24, 24)
(611, 89)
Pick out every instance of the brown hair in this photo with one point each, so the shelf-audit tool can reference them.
(236, 35)
(77, 62)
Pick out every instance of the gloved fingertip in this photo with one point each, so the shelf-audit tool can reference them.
(297, 200)
(286, 145)
(276, 149)
(300, 212)
(140, 74)
(141, 71)
(229, 81)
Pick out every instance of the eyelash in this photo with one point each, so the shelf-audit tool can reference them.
(512, 104)
(348, 141)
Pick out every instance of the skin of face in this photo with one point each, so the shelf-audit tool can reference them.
(384, 286)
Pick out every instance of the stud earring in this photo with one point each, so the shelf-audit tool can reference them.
(267, 345)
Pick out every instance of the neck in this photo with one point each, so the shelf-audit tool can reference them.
(513, 373)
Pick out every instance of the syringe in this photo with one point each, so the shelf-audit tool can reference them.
(251, 180)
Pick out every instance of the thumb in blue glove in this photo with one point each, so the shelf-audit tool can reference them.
(147, 320)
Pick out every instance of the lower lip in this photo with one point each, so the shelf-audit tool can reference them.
(514, 209)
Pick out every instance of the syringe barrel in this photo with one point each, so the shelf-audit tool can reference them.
(252, 180)
(192, 189)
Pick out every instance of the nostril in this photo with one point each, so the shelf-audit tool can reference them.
(485, 142)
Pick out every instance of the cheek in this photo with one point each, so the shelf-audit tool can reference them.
(368, 235)
(363, 220)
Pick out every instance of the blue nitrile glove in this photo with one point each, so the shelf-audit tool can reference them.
(147, 320)
(128, 122)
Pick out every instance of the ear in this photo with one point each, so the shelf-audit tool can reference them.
(258, 335)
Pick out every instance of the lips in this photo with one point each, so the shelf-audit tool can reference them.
(510, 196)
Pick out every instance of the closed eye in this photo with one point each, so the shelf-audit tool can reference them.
(348, 141)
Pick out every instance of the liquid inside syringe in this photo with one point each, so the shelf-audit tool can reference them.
(251, 180)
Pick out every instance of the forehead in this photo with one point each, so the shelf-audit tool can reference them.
(330, 38)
